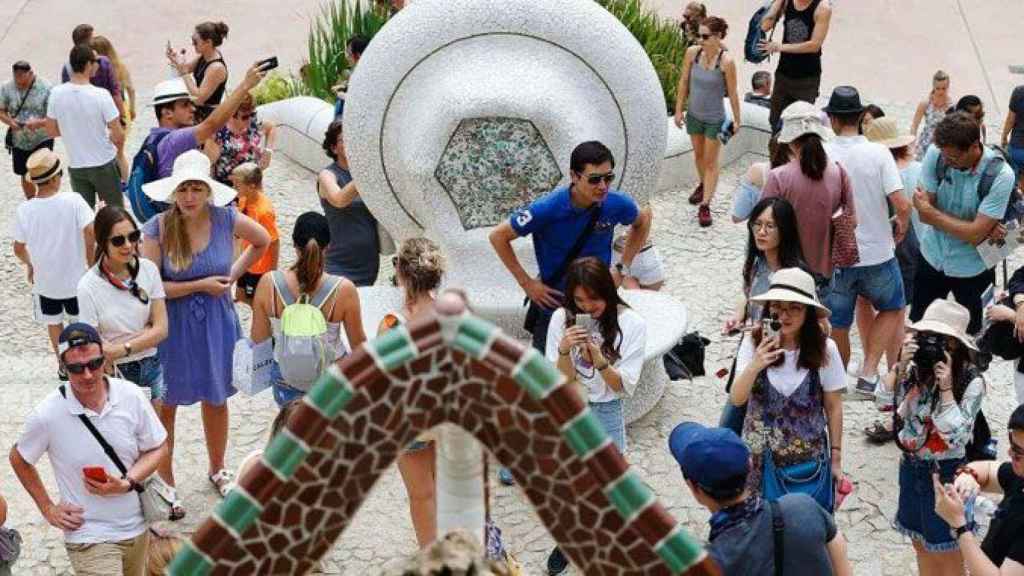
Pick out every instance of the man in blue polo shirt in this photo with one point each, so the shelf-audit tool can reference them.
(958, 221)
(557, 221)
(715, 464)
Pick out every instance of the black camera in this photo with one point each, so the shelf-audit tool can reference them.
(931, 349)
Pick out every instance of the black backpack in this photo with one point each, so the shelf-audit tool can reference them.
(751, 52)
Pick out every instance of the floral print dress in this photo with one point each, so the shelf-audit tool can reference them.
(932, 115)
(237, 149)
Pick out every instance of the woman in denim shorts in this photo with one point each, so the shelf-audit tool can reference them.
(936, 392)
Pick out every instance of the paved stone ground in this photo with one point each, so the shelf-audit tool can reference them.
(704, 267)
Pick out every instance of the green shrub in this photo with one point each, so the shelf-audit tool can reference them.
(660, 38)
(338, 21)
(277, 86)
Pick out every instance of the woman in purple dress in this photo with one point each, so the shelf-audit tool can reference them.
(192, 243)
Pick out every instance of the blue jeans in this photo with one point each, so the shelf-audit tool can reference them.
(146, 373)
(609, 414)
(733, 417)
(881, 284)
(1016, 155)
(283, 393)
(916, 517)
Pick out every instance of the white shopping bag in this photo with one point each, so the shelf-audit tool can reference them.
(251, 366)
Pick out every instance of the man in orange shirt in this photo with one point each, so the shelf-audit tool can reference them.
(248, 181)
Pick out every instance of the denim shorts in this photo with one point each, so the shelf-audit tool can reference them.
(881, 284)
(609, 414)
(147, 373)
(916, 517)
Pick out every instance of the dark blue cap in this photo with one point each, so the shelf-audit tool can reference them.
(713, 458)
(77, 334)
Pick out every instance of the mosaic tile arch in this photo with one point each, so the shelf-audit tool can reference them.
(285, 514)
(493, 166)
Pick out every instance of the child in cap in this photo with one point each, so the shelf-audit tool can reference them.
(248, 181)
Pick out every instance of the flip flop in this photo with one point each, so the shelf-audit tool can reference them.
(223, 480)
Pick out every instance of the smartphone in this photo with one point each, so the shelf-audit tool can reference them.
(267, 64)
(770, 327)
(97, 473)
(585, 321)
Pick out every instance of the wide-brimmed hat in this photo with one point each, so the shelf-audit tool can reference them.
(801, 118)
(170, 91)
(42, 165)
(844, 100)
(793, 285)
(949, 318)
(886, 131)
(192, 166)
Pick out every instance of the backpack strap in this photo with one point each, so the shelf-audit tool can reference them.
(327, 287)
(940, 170)
(778, 532)
(989, 175)
(281, 284)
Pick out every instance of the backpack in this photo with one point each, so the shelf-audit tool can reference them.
(751, 52)
(302, 351)
(144, 171)
(1015, 203)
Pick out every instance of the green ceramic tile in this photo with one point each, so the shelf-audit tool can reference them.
(585, 434)
(237, 510)
(189, 562)
(330, 393)
(679, 551)
(394, 348)
(538, 376)
(285, 453)
(630, 495)
(474, 336)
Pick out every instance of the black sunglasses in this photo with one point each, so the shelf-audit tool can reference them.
(132, 237)
(705, 36)
(594, 179)
(79, 367)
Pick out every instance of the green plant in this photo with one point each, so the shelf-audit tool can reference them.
(277, 86)
(660, 37)
(338, 21)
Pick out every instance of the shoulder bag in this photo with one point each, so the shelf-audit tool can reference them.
(844, 227)
(813, 477)
(533, 310)
(156, 507)
(9, 137)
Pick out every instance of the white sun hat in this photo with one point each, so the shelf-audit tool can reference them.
(948, 318)
(793, 285)
(192, 166)
(170, 91)
(801, 118)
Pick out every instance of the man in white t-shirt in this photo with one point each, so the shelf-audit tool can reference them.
(99, 508)
(876, 184)
(53, 237)
(89, 123)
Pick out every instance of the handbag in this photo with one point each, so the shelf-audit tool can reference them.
(686, 359)
(156, 506)
(813, 477)
(533, 310)
(844, 228)
(9, 136)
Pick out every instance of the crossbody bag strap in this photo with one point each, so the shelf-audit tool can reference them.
(595, 213)
(24, 99)
(778, 533)
(99, 438)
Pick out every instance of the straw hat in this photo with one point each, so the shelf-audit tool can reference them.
(170, 91)
(42, 165)
(793, 285)
(946, 317)
(886, 131)
(192, 166)
(801, 118)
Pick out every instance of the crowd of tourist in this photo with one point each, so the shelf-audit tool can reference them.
(851, 221)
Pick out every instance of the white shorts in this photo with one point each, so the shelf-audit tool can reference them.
(647, 267)
(52, 311)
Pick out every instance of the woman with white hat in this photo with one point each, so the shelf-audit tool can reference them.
(193, 244)
(816, 186)
(935, 393)
(791, 378)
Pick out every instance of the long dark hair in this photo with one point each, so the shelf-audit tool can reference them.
(811, 340)
(791, 254)
(103, 227)
(813, 159)
(593, 276)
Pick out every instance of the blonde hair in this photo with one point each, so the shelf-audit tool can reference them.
(103, 47)
(420, 265)
(177, 244)
(249, 173)
(162, 550)
(939, 76)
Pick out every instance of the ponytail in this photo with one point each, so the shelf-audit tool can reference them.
(309, 267)
(813, 159)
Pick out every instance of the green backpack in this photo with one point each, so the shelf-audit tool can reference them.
(301, 349)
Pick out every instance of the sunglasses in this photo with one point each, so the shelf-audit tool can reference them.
(79, 367)
(705, 36)
(132, 237)
(245, 117)
(595, 179)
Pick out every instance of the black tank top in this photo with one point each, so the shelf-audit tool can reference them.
(799, 27)
(198, 74)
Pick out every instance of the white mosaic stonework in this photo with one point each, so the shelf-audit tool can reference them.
(493, 166)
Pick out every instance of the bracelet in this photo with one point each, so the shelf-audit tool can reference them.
(566, 353)
(964, 469)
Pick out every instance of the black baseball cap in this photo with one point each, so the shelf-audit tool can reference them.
(76, 335)
(21, 66)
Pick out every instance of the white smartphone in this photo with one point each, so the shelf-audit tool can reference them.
(585, 321)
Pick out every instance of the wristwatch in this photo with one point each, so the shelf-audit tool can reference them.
(133, 484)
(622, 269)
(960, 531)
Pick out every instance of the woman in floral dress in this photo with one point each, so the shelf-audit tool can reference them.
(932, 110)
(243, 139)
(791, 378)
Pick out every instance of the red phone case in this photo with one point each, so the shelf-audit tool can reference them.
(97, 473)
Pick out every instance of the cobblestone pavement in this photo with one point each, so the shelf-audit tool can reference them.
(704, 267)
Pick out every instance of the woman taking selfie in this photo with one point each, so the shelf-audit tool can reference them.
(193, 244)
(597, 341)
(791, 378)
(122, 296)
(938, 393)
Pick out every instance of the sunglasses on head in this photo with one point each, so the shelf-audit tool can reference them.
(79, 367)
(132, 237)
(594, 179)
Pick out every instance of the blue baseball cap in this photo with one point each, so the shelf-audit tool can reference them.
(716, 459)
(77, 334)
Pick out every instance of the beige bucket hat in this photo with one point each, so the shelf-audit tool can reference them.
(949, 318)
(793, 285)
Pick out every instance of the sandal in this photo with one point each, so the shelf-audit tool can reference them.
(877, 433)
(223, 481)
(177, 511)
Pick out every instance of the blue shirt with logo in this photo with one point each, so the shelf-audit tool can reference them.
(555, 224)
(957, 195)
